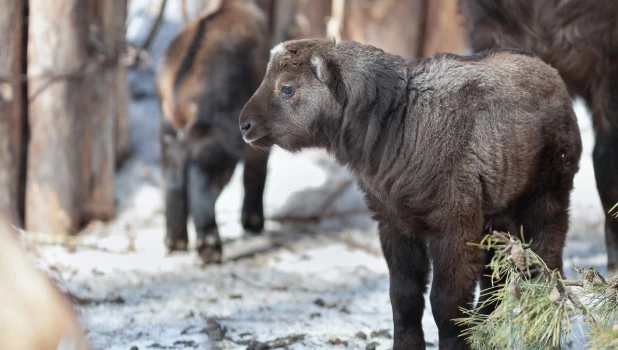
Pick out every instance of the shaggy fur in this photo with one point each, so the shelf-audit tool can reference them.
(580, 39)
(441, 147)
(209, 71)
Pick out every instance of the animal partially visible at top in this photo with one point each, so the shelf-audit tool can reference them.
(208, 72)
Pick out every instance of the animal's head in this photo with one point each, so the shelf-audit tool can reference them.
(298, 99)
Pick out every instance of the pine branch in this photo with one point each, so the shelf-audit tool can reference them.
(536, 306)
(573, 283)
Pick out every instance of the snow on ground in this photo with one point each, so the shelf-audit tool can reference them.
(310, 285)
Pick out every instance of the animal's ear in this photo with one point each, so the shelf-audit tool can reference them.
(319, 66)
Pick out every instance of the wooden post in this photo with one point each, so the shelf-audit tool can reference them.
(316, 14)
(445, 29)
(57, 42)
(116, 25)
(200, 6)
(99, 143)
(11, 108)
(396, 26)
(296, 19)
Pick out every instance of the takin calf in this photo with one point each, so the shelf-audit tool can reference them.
(580, 39)
(207, 74)
(441, 147)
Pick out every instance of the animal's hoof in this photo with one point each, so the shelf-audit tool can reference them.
(253, 222)
(173, 245)
(210, 252)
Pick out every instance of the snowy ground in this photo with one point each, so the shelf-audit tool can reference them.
(310, 285)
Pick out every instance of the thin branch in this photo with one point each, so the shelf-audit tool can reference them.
(318, 217)
(573, 283)
(575, 301)
(183, 11)
(258, 285)
(155, 27)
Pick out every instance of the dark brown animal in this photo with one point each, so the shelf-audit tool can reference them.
(441, 147)
(580, 39)
(209, 71)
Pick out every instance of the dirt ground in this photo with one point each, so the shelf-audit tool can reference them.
(303, 284)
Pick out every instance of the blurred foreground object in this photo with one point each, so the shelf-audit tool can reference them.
(34, 315)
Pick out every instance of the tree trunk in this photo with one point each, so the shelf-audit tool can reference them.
(296, 19)
(315, 13)
(117, 26)
(396, 26)
(57, 41)
(199, 6)
(11, 108)
(98, 160)
(445, 31)
(73, 111)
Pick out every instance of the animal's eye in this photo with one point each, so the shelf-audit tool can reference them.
(287, 90)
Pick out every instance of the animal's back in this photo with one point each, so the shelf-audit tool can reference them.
(213, 65)
(491, 116)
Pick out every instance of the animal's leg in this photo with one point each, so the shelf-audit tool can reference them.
(456, 268)
(254, 178)
(501, 224)
(408, 266)
(605, 158)
(487, 282)
(604, 104)
(545, 223)
(175, 192)
(205, 185)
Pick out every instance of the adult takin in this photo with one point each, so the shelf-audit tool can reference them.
(442, 147)
(207, 74)
(580, 39)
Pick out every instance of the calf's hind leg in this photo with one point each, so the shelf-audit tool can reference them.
(408, 267)
(501, 224)
(545, 223)
(254, 178)
(456, 268)
(205, 185)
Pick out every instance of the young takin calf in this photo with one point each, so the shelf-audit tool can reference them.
(441, 147)
(580, 39)
(208, 73)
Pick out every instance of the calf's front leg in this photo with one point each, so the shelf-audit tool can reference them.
(408, 267)
(175, 192)
(254, 178)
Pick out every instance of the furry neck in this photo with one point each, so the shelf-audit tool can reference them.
(369, 132)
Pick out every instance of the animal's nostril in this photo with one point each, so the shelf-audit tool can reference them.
(244, 128)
